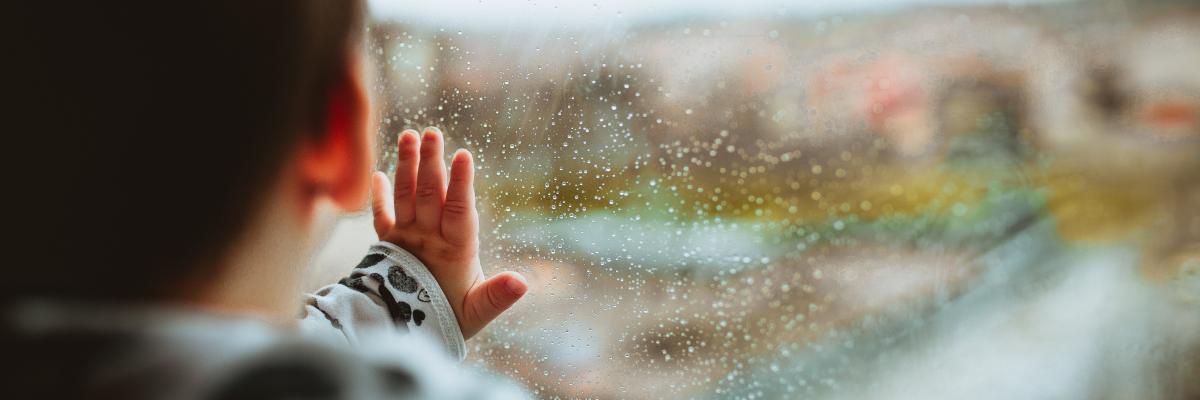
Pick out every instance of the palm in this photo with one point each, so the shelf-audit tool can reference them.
(439, 225)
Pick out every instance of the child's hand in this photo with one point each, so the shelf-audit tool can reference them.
(440, 226)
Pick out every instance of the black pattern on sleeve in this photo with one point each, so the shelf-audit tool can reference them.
(354, 282)
(400, 311)
(401, 281)
(370, 260)
(418, 316)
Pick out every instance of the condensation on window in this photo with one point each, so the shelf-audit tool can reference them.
(754, 200)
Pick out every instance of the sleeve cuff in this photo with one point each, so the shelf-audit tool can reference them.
(448, 329)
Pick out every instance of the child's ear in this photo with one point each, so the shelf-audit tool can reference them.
(337, 163)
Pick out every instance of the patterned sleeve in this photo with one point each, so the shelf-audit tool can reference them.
(389, 290)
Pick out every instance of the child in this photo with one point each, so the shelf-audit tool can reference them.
(199, 153)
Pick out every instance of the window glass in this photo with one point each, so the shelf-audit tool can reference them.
(830, 200)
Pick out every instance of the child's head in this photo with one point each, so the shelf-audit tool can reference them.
(160, 128)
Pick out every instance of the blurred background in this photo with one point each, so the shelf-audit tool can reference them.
(828, 200)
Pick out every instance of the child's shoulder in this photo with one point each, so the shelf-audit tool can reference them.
(88, 352)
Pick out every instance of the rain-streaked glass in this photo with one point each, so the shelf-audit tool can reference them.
(821, 200)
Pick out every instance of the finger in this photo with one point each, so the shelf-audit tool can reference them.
(381, 204)
(431, 181)
(485, 302)
(460, 222)
(407, 159)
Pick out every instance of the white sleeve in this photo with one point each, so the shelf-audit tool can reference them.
(390, 289)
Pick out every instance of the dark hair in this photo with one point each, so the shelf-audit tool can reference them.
(154, 128)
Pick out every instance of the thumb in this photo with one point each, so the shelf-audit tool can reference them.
(382, 207)
(490, 298)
